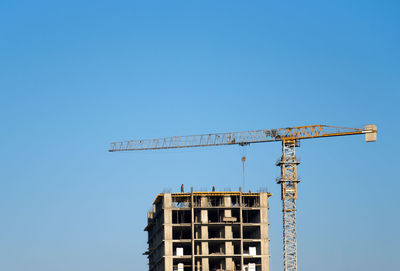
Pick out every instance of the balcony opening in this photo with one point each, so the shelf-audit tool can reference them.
(251, 264)
(251, 216)
(216, 264)
(251, 248)
(182, 265)
(215, 201)
(179, 233)
(215, 215)
(235, 201)
(181, 202)
(236, 248)
(216, 232)
(216, 248)
(252, 232)
(181, 216)
(182, 249)
(251, 201)
(236, 231)
(236, 213)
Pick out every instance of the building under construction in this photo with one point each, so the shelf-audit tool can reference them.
(209, 231)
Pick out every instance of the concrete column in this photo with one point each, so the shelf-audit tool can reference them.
(241, 232)
(167, 205)
(204, 265)
(168, 248)
(198, 233)
(204, 232)
(265, 263)
(203, 202)
(264, 232)
(193, 231)
(228, 232)
(264, 200)
(227, 201)
(169, 264)
(204, 216)
(229, 248)
(204, 248)
(198, 265)
(229, 263)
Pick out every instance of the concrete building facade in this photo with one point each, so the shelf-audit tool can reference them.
(209, 231)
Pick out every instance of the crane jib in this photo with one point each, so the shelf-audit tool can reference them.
(240, 138)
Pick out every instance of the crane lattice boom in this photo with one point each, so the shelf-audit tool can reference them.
(240, 138)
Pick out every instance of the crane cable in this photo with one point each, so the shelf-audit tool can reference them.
(244, 179)
(244, 152)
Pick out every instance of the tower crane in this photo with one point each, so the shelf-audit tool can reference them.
(290, 138)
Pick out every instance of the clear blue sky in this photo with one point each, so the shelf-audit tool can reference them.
(76, 75)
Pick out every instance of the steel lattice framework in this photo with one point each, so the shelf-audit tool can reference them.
(288, 162)
(241, 138)
(288, 181)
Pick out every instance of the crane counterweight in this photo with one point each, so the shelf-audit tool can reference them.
(370, 132)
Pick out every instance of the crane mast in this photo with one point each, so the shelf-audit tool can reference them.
(290, 138)
(288, 181)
